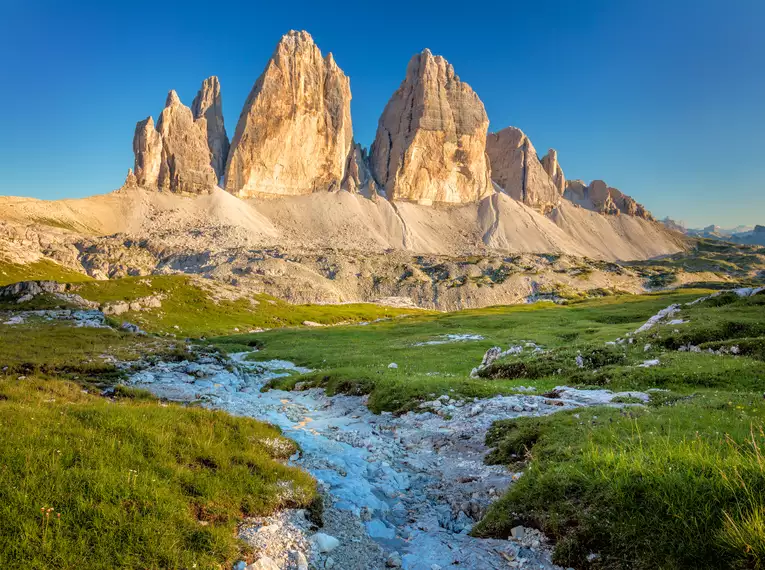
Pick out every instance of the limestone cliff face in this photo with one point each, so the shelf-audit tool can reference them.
(516, 168)
(431, 139)
(147, 147)
(185, 166)
(294, 135)
(208, 107)
(174, 156)
(554, 171)
(601, 198)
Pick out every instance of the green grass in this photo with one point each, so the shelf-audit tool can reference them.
(355, 359)
(189, 310)
(38, 270)
(675, 484)
(58, 350)
(137, 484)
(663, 487)
(679, 484)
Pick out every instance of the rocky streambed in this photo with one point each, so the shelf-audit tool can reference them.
(400, 491)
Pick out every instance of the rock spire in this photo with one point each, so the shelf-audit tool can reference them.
(431, 139)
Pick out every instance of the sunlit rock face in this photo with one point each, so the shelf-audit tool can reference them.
(431, 139)
(174, 156)
(294, 135)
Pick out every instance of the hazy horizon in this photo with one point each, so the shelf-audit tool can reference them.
(651, 98)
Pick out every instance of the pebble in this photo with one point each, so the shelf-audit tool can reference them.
(394, 560)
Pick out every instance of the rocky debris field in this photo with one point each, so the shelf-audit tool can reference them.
(399, 491)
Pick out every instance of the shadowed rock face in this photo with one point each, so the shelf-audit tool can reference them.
(358, 178)
(208, 107)
(431, 138)
(516, 168)
(294, 135)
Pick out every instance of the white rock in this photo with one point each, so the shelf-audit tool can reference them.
(394, 560)
(299, 559)
(392, 365)
(263, 563)
(325, 542)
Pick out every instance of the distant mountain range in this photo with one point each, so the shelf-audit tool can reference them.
(753, 235)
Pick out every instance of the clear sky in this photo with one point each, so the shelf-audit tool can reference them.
(661, 99)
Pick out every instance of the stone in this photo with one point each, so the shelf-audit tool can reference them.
(263, 563)
(147, 148)
(325, 543)
(294, 135)
(299, 560)
(554, 171)
(430, 144)
(208, 107)
(516, 168)
(394, 560)
(392, 365)
(185, 166)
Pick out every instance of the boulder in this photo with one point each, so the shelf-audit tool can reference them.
(208, 107)
(325, 543)
(516, 168)
(294, 135)
(431, 139)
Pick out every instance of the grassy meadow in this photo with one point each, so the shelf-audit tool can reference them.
(676, 483)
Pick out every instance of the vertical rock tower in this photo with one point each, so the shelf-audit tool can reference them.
(207, 109)
(431, 138)
(294, 135)
(174, 156)
(554, 171)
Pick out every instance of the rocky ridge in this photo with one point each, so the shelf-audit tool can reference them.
(294, 137)
(601, 198)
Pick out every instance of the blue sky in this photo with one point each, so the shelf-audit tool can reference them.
(662, 99)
